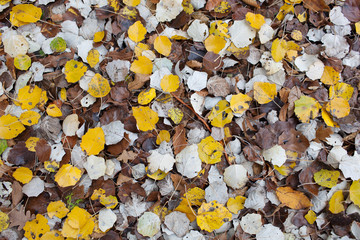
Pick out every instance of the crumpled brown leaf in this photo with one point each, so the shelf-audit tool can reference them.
(19, 217)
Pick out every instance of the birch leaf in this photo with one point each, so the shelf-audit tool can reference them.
(146, 118)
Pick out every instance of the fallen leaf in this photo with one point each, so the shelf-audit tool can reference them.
(336, 202)
(4, 221)
(78, 224)
(212, 216)
(146, 96)
(74, 70)
(310, 217)
(330, 76)
(338, 107)
(264, 92)
(22, 62)
(326, 178)
(53, 111)
(236, 204)
(23, 175)
(354, 192)
(221, 114)
(255, 20)
(148, 224)
(23, 14)
(142, 66)
(93, 141)
(29, 97)
(67, 175)
(58, 44)
(145, 117)
(292, 199)
(170, 83)
(57, 209)
(214, 43)
(163, 135)
(99, 86)
(175, 115)
(29, 118)
(306, 108)
(162, 45)
(210, 151)
(137, 32)
(93, 57)
(342, 90)
(239, 103)
(278, 49)
(10, 127)
(36, 228)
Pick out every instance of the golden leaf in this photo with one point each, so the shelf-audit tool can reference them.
(29, 118)
(306, 108)
(264, 92)
(255, 20)
(10, 127)
(4, 221)
(67, 175)
(79, 224)
(278, 49)
(146, 118)
(175, 115)
(326, 178)
(310, 216)
(31, 143)
(354, 192)
(221, 114)
(292, 199)
(74, 70)
(57, 209)
(214, 43)
(342, 90)
(93, 141)
(239, 103)
(212, 216)
(22, 62)
(219, 28)
(93, 57)
(23, 175)
(335, 203)
(24, 13)
(236, 204)
(210, 150)
(36, 228)
(99, 86)
(163, 136)
(162, 45)
(99, 36)
(170, 83)
(330, 76)
(142, 66)
(53, 111)
(146, 96)
(137, 32)
(29, 97)
(338, 107)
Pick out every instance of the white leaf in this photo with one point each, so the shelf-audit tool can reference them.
(114, 132)
(217, 191)
(197, 102)
(86, 79)
(34, 188)
(256, 196)
(335, 155)
(198, 4)
(135, 206)
(15, 44)
(118, 70)
(194, 235)
(83, 49)
(235, 176)
(87, 101)
(161, 162)
(107, 218)
(167, 10)
(251, 223)
(352, 59)
(335, 45)
(57, 152)
(266, 33)
(350, 166)
(276, 155)
(315, 70)
(38, 69)
(188, 162)
(308, 129)
(270, 232)
(166, 186)
(337, 17)
(71, 124)
(148, 224)
(304, 62)
(198, 31)
(95, 167)
(269, 64)
(241, 33)
(156, 77)
(178, 223)
(197, 81)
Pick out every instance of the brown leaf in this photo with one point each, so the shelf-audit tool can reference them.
(306, 177)
(119, 94)
(265, 138)
(127, 188)
(38, 205)
(292, 199)
(179, 139)
(43, 150)
(211, 4)
(322, 133)
(16, 194)
(125, 156)
(56, 61)
(294, 141)
(122, 179)
(212, 61)
(118, 148)
(316, 5)
(19, 218)
(218, 86)
(351, 10)
(19, 155)
(139, 81)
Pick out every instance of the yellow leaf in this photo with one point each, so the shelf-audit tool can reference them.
(58, 45)
(223, 7)
(335, 203)
(342, 90)
(239, 103)
(146, 118)
(163, 136)
(328, 119)
(115, 4)
(158, 175)
(264, 92)
(212, 216)
(63, 94)
(187, 6)
(278, 49)
(293, 1)
(310, 216)
(31, 143)
(292, 199)
(36, 228)
(78, 225)
(43, 99)
(306, 108)
(142, 66)
(221, 114)
(354, 192)
(285, 9)
(283, 170)
(146, 96)
(210, 150)
(162, 45)
(53, 111)
(326, 178)
(22, 62)
(195, 196)
(109, 201)
(23, 175)
(131, 3)
(93, 57)
(170, 83)
(338, 107)
(140, 48)
(175, 115)
(99, 86)
(67, 175)
(137, 32)
(255, 20)
(214, 43)
(51, 166)
(99, 36)
(24, 13)
(236, 204)
(357, 27)
(97, 194)
(57, 209)
(239, 53)
(52, 235)
(186, 208)
(330, 76)
(302, 16)
(4, 221)
(296, 35)
(74, 70)
(93, 141)
(29, 118)
(29, 97)
(219, 28)
(10, 127)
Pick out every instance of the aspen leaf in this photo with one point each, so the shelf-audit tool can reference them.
(145, 117)
(221, 114)
(175, 115)
(58, 44)
(57, 209)
(357, 27)
(52, 235)
(93, 57)
(31, 143)
(158, 175)
(53, 111)
(210, 150)
(212, 216)
(223, 7)
(338, 107)
(354, 192)
(292, 199)
(148, 224)
(326, 178)
(22, 62)
(10, 127)
(4, 221)
(285, 9)
(137, 32)
(74, 70)
(36, 228)
(163, 136)
(99, 36)
(306, 108)
(93, 141)
(296, 35)
(146, 96)
(131, 3)
(140, 48)
(142, 66)
(236, 204)
(195, 196)
(170, 83)
(23, 175)
(24, 13)
(99, 86)
(214, 43)
(162, 45)
(328, 119)
(278, 49)
(330, 76)
(264, 92)
(335, 203)
(78, 224)
(310, 216)
(255, 20)
(51, 166)
(67, 175)
(239, 103)
(29, 118)
(342, 90)
(219, 28)
(29, 97)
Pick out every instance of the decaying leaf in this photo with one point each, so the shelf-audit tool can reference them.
(264, 92)
(236, 204)
(221, 114)
(326, 178)
(212, 216)
(306, 108)
(99, 86)
(10, 127)
(292, 198)
(210, 150)
(338, 107)
(74, 70)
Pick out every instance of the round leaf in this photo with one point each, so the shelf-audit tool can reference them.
(336, 202)
(74, 70)
(162, 45)
(93, 141)
(221, 114)
(338, 107)
(10, 127)
(292, 199)
(326, 178)
(58, 44)
(93, 57)
(210, 150)
(212, 216)
(214, 43)
(255, 20)
(342, 90)
(264, 92)
(330, 76)
(99, 86)
(142, 66)
(170, 83)
(239, 103)
(306, 108)
(146, 96)
(68, 175)
(29, 97)
(29, 118)
(23, 175)
(137, 32)
(22, 62)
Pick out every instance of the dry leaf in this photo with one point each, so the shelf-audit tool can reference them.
(292, 199)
